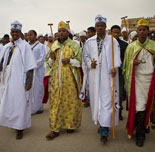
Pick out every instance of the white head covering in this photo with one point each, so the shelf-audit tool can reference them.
(100, 19)
(40, 35)
(124, 29)
(82, 33)
(72, 32)
(49, 35)
(133, 34)
(16, 25)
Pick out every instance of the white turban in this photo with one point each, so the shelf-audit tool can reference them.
(133, 34)
(82, 33)
(40, 35)
(16, 25)
(124, 29)
(100, 19)
(49, 35)
(72, 32)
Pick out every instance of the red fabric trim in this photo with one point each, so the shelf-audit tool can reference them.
(127, 104)
(75, 82)
(46, 93)
(132, 108)
(150, 99)
(132, 103)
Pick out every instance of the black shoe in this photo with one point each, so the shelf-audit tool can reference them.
(104, 139)
(19, 134)
(70, 131)
(39, 112)
(140, 142)
(86, 105)
(120, 117)
(147, 130)
(52, 135)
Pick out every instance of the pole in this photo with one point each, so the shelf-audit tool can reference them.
(113, 96)
(124, 19)
(50, 25)
(68, 23)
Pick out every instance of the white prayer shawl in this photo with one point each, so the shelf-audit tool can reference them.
(15, 108)
(39, 53)
(100, 80)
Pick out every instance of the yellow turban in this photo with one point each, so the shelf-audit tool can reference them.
(63, 25)
(142, 22)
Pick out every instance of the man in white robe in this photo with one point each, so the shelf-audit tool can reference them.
(1, 47)
(125, 35)
(16, 74)
(98, 58)
(39, 53)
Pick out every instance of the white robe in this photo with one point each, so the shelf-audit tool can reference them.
(38, 87)
(15, 107)
(1, 47)
(100, 80)
(143, 77)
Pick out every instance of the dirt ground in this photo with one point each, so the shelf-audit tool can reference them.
(85, 139)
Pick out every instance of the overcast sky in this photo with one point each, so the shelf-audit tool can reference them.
(36, 14)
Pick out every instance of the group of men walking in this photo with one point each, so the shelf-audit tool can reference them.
(22, 75)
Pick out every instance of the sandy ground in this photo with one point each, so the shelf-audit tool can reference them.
(85, 139)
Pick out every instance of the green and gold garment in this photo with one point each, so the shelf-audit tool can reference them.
(132, 50)
(65, 106)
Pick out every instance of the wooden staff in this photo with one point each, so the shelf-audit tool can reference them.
(50, 24)
(124, 19)
(68, 24)
(113, 78)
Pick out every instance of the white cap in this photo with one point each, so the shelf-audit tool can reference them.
(124, 29)
(100, 19)
(40, 35)
(133, 34)
(82, 33)
(49, 35)
(72, 32)
(16, 25)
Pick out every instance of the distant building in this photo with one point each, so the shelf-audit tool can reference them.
(132, 22)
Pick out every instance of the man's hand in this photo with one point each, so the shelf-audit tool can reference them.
(65, 61)
(52, 55)
(28, 87)
(136, 62)
(93, 64)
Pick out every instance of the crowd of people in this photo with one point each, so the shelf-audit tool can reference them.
(93, 68)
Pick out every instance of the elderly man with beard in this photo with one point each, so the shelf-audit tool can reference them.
(65, 84)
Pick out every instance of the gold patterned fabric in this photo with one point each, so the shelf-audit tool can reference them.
(63, 25)
(65, 107)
